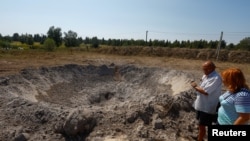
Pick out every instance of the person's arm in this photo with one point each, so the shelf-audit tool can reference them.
(242, 119)
(242, 106)
(197, 88)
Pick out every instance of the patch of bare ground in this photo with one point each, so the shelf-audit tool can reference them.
(77, 95)
(13, 62)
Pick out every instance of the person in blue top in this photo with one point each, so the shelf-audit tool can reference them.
(235, 102)
(207, 98)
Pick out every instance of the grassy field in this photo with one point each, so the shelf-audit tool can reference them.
(14, 60)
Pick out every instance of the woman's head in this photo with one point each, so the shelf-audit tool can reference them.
(233, 79)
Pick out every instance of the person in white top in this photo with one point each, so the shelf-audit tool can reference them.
(207, 98)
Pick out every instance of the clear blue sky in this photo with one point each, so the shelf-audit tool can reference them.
(130, 19)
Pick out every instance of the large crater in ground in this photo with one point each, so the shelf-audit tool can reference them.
(97, 103)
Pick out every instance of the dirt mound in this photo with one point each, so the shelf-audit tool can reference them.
(235, 56)
(97, 103)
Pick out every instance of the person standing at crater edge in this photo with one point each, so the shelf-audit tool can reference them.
(235, 102)
(207, 98)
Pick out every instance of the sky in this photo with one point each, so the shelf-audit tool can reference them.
(170, 20)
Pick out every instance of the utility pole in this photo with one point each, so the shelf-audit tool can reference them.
(146, 36)
(218, 48)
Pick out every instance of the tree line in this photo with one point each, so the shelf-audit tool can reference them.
(55, 38)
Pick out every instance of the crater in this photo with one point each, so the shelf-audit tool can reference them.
(119, 100)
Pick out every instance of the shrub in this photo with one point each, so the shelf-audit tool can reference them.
(49, 44)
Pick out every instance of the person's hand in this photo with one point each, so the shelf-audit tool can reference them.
(193, 84)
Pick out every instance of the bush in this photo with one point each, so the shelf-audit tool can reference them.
(5, 44)
(49, 44)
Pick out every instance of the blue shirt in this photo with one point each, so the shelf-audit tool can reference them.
(211, 84)
(232, 104)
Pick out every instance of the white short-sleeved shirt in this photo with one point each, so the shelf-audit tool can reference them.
(211, 84)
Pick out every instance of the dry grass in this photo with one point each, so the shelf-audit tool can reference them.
(13, 61)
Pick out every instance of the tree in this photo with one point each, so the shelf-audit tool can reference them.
(7, 38)
(223, 44)
(4, 44)
(230, 46)
(49, 44)
(95, 42)
(167, 43)
(29, 39)
(55, 34)
(150, 43)
(176, 43)
(43, 38)
(80, 40)
(87, 40)
(70, 39)
(37, 38)
(212, 44)
(15, 37)
(244, 44)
